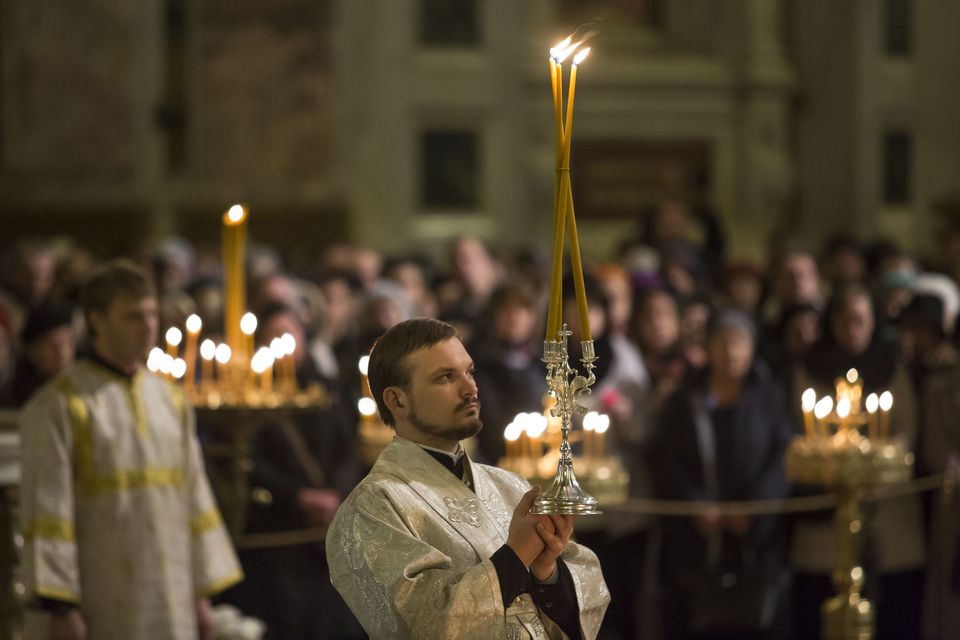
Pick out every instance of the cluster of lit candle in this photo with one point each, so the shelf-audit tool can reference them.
(235, 375)
(532, 439)
(827, 416)
(231, 372)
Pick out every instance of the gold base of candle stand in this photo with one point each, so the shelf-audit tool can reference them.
(847, 463)
(565, 496)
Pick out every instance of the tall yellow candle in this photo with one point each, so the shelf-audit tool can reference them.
(234, 258)
(194, 325)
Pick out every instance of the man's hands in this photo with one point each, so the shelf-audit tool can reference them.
(68, 626)
(538, 540)
(555, 535)
(205, 630)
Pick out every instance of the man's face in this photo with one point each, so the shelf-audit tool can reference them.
(853, 324)
(127, 330)
(440, 404)
(731, 353)
(799, 280)
(53, 352)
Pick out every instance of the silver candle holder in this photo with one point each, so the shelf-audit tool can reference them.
(565, 496)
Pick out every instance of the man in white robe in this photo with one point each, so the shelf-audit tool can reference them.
(426, 546)
(122, 536)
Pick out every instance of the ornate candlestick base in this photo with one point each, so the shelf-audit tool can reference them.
(847, 463)
(564, 496)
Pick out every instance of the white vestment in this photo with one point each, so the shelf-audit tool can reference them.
(409, 551)
(117, 513)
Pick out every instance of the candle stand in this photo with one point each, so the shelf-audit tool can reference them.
(564, 495)
(837, 456)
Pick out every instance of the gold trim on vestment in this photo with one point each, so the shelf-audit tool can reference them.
(50, 529)
(151, 477)
(57, 593)
(205, 522)
(221, 585)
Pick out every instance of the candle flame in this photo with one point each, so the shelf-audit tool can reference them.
(366, 406)
(179, 368)
(852, 376)
(248, 323)
(886, 401)
(823, 408)
(872, 403)
(536, 424)
(289, 343)
(562, 55)
(580, 57)
(174, 336)
(153, 360)
(208, 349)
(235, 215)
(808, 400)
(555, 52)
(364, 365)
(166, 364)
(512, 432)
(603, 423)
(194, 323)
(590, 421)
(843, 408)
(223, 353)
(277, 348)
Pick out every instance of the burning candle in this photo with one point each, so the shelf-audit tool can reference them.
(262, 365)
(208, 350)
(820, 411)
(289, 344)
(843, 412)
(234, 258)
(590, 421)
(536, 425)
(602, 425)
(807, 402)
(173, 337)
(885, 403)
(511, 436)
(222, 355)
(194, 325)
(872, 404)
(178, 368)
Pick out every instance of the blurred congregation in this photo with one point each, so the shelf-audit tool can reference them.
(702, 362)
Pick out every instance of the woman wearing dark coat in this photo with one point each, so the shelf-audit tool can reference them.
(721, 437)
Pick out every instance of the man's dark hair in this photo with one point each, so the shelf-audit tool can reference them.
(387, 367)
(117, 277)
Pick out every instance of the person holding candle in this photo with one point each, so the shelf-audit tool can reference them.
(426, 546)
(893, 529)
(721, 437)
(121, 530)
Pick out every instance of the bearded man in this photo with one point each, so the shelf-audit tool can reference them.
(426, 545)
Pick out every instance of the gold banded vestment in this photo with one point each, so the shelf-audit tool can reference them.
(117, 513)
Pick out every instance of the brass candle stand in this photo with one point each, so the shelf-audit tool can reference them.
(565, 496)
(836, 455)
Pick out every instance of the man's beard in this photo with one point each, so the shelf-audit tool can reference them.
(458, 432)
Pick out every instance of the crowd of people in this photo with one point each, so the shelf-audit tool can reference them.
(702, 361)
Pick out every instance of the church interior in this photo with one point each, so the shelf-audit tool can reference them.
(765, 245)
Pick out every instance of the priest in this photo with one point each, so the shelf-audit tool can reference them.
(123, 539)
(433, 545)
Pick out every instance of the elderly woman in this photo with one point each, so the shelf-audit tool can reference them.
(893, 535)
(721, 437)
